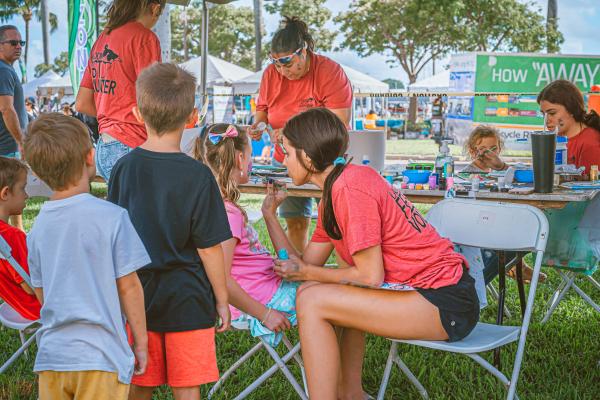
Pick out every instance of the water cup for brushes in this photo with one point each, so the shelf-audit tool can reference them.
(417, 175)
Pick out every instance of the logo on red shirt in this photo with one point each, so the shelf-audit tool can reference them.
(412, 215)
(107, 56)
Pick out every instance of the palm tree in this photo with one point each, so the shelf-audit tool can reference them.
(26, 9)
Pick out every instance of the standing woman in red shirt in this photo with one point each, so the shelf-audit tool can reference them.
(562, 104)
(384, 242)
(107, 90)
(298, 79)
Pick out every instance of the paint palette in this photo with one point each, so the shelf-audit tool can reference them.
(581, 185)
(269, 171)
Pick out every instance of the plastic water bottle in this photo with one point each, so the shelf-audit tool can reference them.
(365, 160)
(561, 151)
(261, 126)
(440, 164)
(282, 254)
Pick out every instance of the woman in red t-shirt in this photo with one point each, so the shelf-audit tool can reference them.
(384, 243)
(562, 104)
(107, 89)
(298, 79)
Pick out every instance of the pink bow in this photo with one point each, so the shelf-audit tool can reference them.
(231, 132)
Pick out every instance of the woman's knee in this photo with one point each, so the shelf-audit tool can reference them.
(307, 299)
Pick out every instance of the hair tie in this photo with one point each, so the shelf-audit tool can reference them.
(339, 161)
(215, 138)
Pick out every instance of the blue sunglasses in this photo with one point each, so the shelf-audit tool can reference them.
(285, 60)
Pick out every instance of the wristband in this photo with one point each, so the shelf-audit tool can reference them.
(266, 315)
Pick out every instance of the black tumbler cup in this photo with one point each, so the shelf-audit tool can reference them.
(543, 148)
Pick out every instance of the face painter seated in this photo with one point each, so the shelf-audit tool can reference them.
(382, 242)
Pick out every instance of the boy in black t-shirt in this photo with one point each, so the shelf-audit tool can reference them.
(175, 205)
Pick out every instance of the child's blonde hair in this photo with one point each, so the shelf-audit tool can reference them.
(56, 147)
(481, 132)
(10, 171)
(220, 158)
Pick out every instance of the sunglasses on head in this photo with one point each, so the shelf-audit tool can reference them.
(14, 43)
(285, 60)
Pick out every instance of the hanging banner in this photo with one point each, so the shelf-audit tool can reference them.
(82, 35)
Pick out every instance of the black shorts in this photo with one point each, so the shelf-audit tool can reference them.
(458, 305)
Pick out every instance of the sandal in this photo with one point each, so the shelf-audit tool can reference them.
(527, 274)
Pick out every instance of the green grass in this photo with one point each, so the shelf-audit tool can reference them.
(427, 147)
(561, 359)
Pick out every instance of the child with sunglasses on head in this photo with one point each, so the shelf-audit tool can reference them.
(484, 146)
(256, 293)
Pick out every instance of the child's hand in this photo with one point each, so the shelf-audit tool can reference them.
(277, 321)
(225, 316)
(491, 159)
(141, 359)
(276, 194)
(290, 270)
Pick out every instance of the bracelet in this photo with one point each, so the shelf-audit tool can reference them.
(266, 315)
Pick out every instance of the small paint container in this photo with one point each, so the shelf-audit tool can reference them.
(390, 179)
(432, 181)
(411, 186)
(425, 186)
(419, 186)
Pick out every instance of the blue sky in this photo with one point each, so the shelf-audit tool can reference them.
(578, 22)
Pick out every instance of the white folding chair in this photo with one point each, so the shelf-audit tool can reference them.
(487, 225)
(280, 365)
(8, 316)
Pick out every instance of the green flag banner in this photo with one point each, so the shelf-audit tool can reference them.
(82, 35)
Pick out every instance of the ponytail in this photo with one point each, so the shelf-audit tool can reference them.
(220, 158)
(329, 222)
(293, 35)
(324, 138)
(592, 119)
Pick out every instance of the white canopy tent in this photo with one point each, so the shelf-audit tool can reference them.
(31, 87)
(219, 72)
(361, 83)
(61, 86)
(439, 82)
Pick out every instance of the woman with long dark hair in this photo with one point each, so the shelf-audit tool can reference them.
(562, 104)
(107, 90)
(384, 242)
(298, 79)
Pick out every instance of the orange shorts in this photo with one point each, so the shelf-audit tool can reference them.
(179, 359)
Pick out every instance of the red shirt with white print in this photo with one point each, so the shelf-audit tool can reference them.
(115, 62)
(370, 212)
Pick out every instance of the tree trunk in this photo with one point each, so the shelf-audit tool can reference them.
(24, 79)
(412, 105)
(45, 30)
(185, 35)
(551, 26)
(257, 35)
